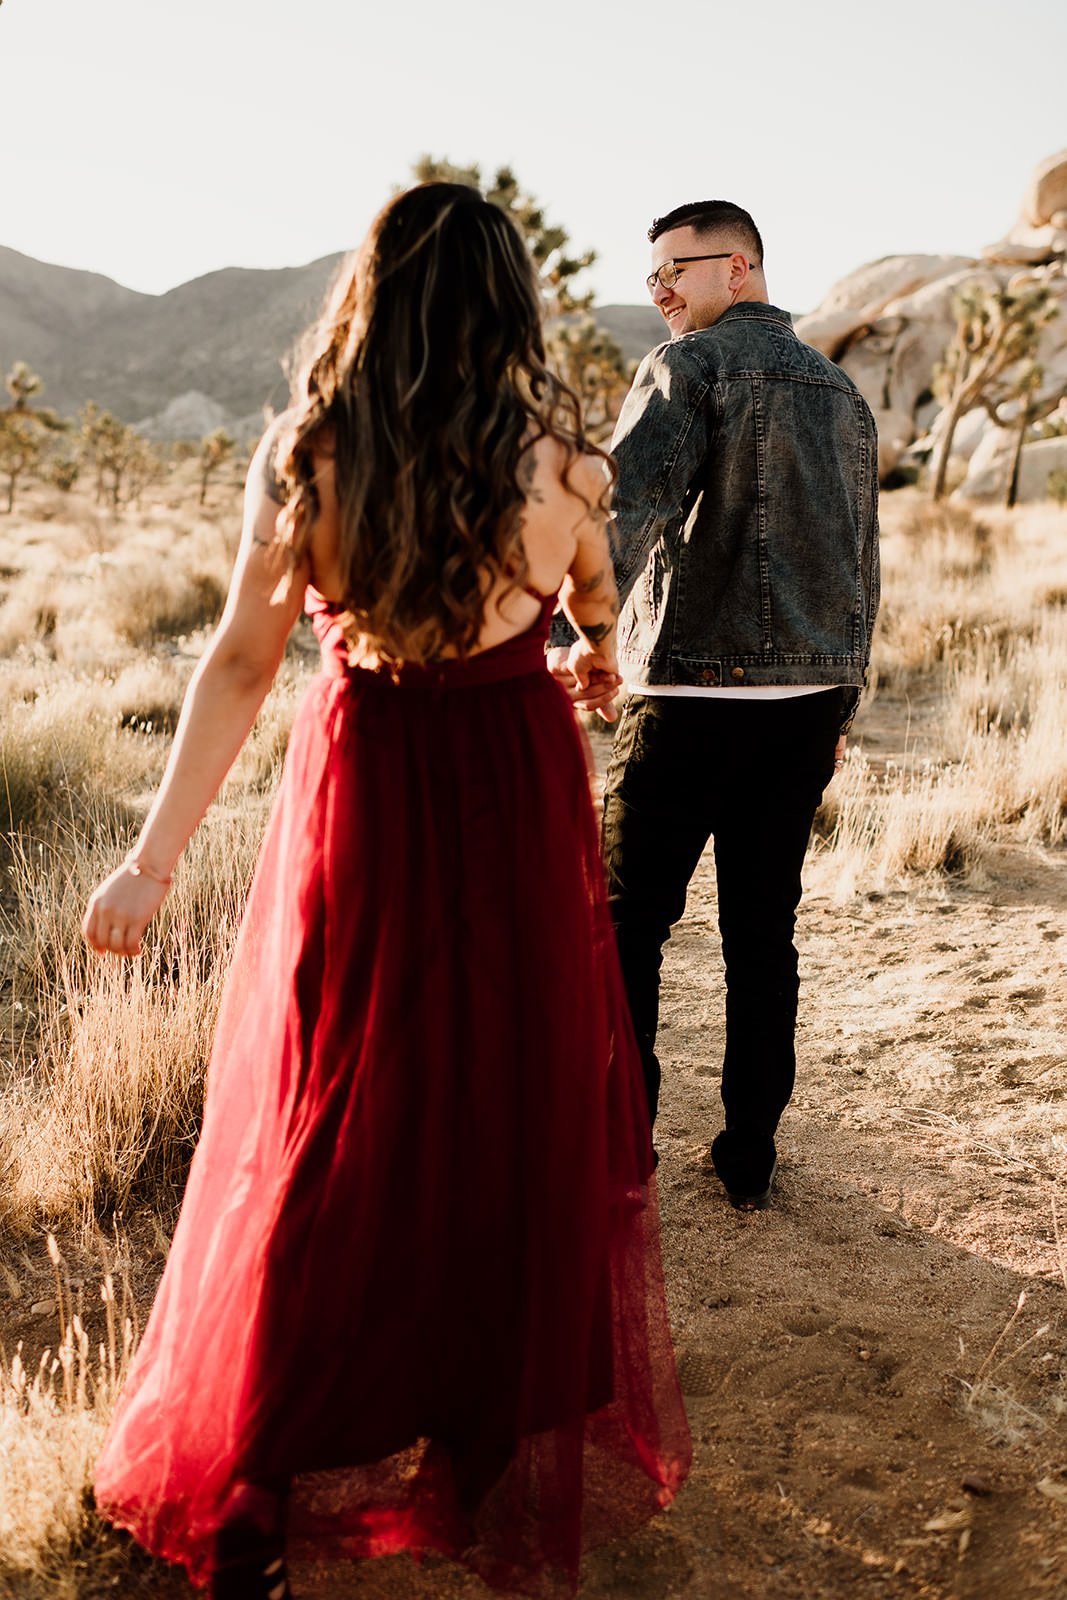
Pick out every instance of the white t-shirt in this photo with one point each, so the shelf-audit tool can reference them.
(692, 691)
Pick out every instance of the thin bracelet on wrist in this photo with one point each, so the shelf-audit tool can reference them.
(139, 870)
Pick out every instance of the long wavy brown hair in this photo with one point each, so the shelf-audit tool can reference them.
(425, 381)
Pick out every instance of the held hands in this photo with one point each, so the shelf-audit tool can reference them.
(590, 676)
(120, 910)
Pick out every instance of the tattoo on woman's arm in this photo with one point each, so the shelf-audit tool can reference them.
(595, 632)
(271, 485)
(524, 472)
(589, 584)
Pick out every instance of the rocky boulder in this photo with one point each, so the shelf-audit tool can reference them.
(858, 300)
(987, 474)
(1046, 193)
(889, 323)
(188, 416)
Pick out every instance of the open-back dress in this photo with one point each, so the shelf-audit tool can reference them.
(415, 1294)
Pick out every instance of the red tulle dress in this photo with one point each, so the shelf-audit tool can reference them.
(414, 1297)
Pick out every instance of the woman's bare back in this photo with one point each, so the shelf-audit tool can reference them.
(556, 515)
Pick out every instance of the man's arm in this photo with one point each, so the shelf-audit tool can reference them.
(659, 446)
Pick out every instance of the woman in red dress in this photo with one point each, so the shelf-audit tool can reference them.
(414, 1299)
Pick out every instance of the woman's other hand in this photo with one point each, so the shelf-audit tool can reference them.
(120, 910)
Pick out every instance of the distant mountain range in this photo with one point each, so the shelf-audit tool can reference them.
(207, 354)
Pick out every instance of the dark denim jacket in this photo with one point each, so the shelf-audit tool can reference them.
(746, 512)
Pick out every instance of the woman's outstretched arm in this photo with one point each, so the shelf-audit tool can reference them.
(225, 693)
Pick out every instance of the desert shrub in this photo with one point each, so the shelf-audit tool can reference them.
(29, 613)
(164, 584)
(955, 585)
(148, 695)
(59, 754)
(145, 604)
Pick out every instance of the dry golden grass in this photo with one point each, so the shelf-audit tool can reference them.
(52, 1421)
(102, 1105)
(103, 1066)
(974, 632)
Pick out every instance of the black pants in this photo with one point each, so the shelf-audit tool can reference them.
(749, 776)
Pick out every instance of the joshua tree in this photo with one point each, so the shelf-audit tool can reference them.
(22, 427)
(584, 355)
(22, 384)
(215, 449)
(144, 467)
(109, 447)
(996, 329)
(548, 244)
(591, 363)
(1023, 394)
(20, 450)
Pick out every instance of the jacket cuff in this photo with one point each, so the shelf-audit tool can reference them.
(561, 635)
(850, 699)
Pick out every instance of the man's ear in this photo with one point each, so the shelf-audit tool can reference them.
(739, 270)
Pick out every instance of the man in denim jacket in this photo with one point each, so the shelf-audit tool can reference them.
(747, 560)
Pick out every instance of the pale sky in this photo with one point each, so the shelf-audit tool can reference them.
(154, 141)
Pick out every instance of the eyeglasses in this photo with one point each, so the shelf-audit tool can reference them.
(667, 275)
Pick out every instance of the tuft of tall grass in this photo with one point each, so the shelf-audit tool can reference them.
(53, 1416)
(904, 822)
(29, 612)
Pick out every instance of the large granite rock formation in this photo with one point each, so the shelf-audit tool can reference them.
(888, 325)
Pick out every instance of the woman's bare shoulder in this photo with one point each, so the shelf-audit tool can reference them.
(548, 467)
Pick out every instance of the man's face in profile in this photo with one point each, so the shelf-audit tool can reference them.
(701, 292)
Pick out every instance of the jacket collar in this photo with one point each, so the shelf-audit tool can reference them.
(755, 310)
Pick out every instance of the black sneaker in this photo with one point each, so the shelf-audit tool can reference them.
(746, 1164)
(249, 1565)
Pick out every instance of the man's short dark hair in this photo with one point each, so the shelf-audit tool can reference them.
(713, 216)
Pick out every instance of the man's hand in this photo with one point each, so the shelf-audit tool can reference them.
(592, 682)
(839, 753)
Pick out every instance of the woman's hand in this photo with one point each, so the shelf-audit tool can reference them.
(120, 910)
(594, 669)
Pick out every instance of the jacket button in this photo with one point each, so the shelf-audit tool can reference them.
(710, 675)
(738, 672)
